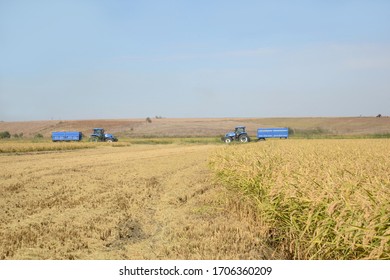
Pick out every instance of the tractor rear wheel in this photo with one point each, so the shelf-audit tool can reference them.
(243, 138)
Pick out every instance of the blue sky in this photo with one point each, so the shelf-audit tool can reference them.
(133, 59)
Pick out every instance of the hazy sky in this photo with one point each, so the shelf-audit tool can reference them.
(80, 59)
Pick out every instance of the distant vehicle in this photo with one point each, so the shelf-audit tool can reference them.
(98, 135)
(264, 133)
(239, 134)
(66, 136)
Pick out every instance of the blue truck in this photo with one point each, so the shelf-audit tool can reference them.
(66, 136)
(264, 133)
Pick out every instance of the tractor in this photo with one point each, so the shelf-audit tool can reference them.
(98, 135)
(239, 134)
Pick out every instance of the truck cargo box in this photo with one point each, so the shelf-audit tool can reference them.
(263, 133)
(66, 136)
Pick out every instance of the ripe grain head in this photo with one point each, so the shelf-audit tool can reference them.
(322, 199)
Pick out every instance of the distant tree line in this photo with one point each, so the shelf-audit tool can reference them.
(149, 120)
(7, 135)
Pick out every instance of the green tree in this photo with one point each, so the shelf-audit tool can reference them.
(5, 134)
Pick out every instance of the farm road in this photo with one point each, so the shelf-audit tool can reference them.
(136, 202)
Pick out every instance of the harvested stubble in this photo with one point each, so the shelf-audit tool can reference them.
(318, 199)
(128, 202)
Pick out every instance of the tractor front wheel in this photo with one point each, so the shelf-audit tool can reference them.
(228, 140)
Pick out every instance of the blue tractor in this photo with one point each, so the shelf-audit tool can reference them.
(98, 135)
(239, 134)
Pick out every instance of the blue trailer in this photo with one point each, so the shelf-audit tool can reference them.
(66, 136)
(264, 133)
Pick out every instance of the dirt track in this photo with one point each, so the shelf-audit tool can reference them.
(137, 202)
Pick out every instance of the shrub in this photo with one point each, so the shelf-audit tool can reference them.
(5, 134)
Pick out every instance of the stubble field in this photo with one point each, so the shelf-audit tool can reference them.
(121, 202)
(278, 199)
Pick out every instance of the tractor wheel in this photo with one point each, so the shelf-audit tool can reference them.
(228, 140)
(93, 139)
(243, 138)
(109, 141)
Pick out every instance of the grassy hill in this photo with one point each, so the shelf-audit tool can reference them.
(207, 127)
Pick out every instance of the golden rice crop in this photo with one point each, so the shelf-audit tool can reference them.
(23, 147)
(318, 199)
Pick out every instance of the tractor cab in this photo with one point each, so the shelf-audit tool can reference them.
(239, 130)
(98, 135)
(98, 131)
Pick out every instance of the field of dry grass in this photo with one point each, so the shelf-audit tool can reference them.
(203, 127)
(125, 202)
